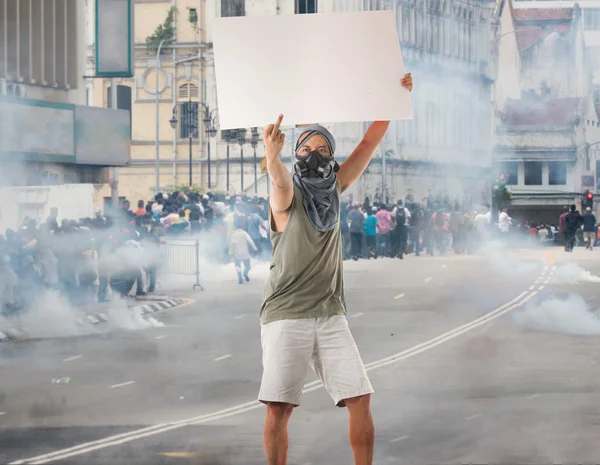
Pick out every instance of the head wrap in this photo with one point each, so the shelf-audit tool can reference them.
(312, 131)
(320, 197)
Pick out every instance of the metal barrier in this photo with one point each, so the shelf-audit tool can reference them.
(181, 257)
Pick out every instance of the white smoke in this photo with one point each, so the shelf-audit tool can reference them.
(131, 319)
(570, 273)
(570, 315)
(506, 263)
(51, 315)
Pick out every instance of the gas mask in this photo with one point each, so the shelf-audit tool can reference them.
(315, 165)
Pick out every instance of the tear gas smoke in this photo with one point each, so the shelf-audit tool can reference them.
(506, 263)
(570, 273)
(570, 315)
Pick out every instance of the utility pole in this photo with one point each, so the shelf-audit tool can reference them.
(114, 189)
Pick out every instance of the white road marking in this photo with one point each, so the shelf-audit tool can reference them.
(223, 357)
(547, 281)
(124, 438)
(472, 417)
(161, 336)
(428, 279)
(444, 266)
(401, 438)
(357, 315)
(70, 359)
(2, 413)
(532, 396)
(399, 296)
(239, 317)
(531, 288)
(592, 297)
(540, 288)
(122, 384)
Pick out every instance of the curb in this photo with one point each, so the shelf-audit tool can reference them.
(145, 309)
(14, 334)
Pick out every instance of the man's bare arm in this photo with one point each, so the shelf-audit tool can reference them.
(282, 189)
(282, 192)
(358, 161)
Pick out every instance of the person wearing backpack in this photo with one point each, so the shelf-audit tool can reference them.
(400, 232)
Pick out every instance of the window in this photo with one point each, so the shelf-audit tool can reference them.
(510, 170)
(188, 90)
(231, 8)
(123, 101)
(533, 173)
(188, 119)
(558, 173)
(591, 19)
(306, 6)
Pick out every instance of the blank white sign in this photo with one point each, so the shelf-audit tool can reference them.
(324, 68)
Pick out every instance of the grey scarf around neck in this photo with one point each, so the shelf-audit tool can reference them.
(320, 197)
(321, 201)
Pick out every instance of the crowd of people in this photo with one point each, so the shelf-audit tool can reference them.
(383, 230)
(116, 253)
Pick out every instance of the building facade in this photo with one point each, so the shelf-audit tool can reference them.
(48, 136)
(548, 125)
(443, 153)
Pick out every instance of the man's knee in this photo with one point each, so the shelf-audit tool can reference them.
(359, 405)
(279, 413)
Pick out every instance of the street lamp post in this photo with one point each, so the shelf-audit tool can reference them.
(157, 64)
(241, 134)
(191, 126)
(254, 143)
(228, 135)
(210, 131)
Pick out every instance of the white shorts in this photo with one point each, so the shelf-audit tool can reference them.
(326, 344)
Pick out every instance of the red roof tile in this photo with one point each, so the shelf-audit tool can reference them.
(540, 112)
(543, 14)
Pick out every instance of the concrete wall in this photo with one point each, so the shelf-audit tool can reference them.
(74, 201)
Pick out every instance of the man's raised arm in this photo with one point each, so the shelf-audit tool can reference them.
(282, 192)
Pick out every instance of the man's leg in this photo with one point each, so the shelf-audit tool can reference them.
(238, 269)
(287, 348)
(337, 362)
(275, 437)
(361, 430)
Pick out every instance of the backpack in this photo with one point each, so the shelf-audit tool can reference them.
(400, 216)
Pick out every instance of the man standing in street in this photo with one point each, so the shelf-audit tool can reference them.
(504, 222)
(589, 228)
(302, 317)
(357, 221)
(384, 223)
(573, 222)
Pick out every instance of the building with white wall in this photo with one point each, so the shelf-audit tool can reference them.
(547, 123)
(443, 152)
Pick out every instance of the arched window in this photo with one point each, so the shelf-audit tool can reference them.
(188, 91)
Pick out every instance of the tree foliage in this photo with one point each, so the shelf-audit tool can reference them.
(163, 31)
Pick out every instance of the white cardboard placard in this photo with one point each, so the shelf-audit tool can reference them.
(324, 68)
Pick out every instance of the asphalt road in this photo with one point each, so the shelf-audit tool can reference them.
(458, 378)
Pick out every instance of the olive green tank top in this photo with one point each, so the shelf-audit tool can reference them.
(306, 279)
